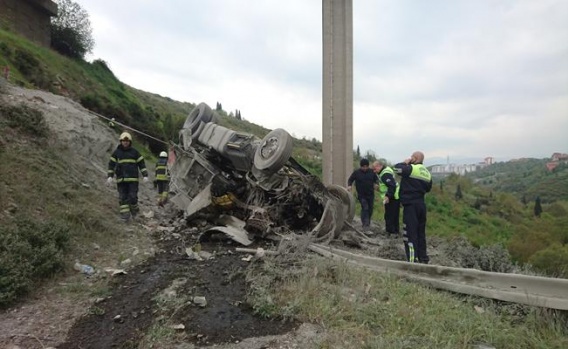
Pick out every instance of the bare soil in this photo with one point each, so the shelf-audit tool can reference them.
(225, 319)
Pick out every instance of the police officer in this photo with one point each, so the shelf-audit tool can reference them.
(124, 163)
(365, 181)
(415, 182)
(162, 178)
(389, 192)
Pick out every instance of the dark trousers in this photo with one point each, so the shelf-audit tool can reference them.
(128, 199)
(162, 192)
(414, 234)
(162, 186)
(392, 216)
(367, 203)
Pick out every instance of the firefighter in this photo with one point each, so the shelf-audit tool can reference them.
(415, 182)
(162, 178)
(389, 192)
(125, 163)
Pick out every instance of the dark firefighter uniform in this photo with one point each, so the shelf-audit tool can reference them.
(389, 187)
(162, 178)
(125, 163)
(415, 183)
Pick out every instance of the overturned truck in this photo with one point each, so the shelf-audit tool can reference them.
(252, 184)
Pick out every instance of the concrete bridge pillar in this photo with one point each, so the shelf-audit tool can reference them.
(337, 133)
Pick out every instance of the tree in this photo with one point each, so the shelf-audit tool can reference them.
(238, 114)
(441, 186)
(71, 32)
(219, 106)
(459, 194)
(537, 207)
(358, 153)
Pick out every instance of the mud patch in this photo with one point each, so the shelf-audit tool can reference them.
(131, 300)
(225, 319)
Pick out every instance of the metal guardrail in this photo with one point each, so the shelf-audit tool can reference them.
(531, 290)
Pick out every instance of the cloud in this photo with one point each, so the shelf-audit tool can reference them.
(458, 78)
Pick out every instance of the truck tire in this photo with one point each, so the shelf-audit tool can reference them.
(273, 151)
(202, 113)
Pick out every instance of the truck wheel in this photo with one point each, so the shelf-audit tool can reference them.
(274, 151)
(202, 113)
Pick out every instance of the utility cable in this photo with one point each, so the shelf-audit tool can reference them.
(128, 127)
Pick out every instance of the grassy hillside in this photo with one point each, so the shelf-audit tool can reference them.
(526, 178)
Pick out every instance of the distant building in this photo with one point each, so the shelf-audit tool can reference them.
(448, 169)
(29, 18)
(555, 160)
(559, 157)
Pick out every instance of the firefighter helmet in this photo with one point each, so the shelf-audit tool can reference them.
(125, 136)
(163, 154)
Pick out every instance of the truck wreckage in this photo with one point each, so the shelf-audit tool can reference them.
(252, 187)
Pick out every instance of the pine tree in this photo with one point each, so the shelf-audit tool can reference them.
(537, 207)
(219, 106)
(358, 153)
(459, 194)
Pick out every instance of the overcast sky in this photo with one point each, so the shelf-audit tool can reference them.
(457, 78)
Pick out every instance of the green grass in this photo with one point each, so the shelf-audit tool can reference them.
(363, 309)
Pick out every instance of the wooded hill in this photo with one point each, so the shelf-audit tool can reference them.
(526, 179)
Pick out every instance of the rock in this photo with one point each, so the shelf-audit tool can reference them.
(126, 262)
(260, 253)
(167, 229)
(479, 310)
(12, 207)
(205, 255)
(118, 319)
(148, 214)
(482, 346)
(178, 327)
(200, 300)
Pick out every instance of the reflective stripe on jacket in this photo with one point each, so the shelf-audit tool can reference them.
(415, 183)
(162, 169)
(125, 163)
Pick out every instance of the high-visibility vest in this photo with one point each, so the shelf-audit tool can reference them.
(383, 188)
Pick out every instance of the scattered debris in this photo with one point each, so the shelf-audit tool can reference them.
(115, 272)
(84, 268)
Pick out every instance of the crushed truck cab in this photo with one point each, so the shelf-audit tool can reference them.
(220, 172)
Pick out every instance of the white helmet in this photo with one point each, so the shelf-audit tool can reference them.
(163, 154)
(125, 136)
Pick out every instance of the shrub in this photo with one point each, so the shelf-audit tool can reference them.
(28, 120)
(553, 260)
(29, 251)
